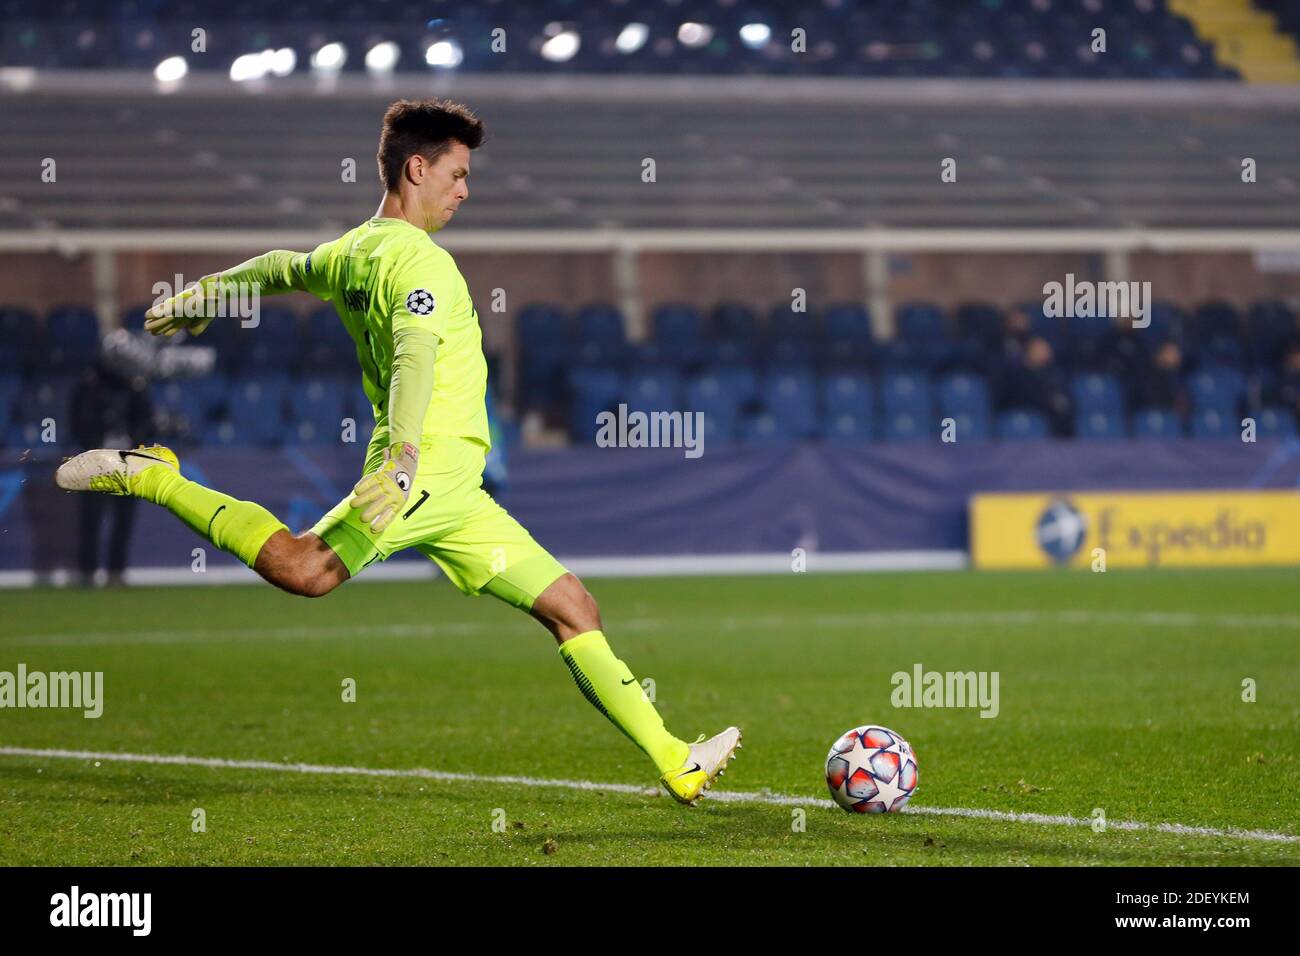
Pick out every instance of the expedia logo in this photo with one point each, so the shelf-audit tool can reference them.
(1061, 531)
(1156, 539)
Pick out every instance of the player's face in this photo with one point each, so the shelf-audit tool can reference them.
(445, 186)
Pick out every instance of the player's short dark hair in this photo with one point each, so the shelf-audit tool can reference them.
(427, 127)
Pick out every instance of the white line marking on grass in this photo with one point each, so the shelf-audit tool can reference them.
(727, 623)
(721, 796)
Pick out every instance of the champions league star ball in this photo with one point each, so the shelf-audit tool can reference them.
(871, 770)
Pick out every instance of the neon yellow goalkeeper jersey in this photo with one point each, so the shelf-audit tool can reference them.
(387, 275)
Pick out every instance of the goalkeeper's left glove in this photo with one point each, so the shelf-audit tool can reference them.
(380, 495)
(190, 309)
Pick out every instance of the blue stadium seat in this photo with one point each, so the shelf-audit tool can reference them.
(255, 408)
(678, 334)
(906, 393)
(903, 426)
(734, 321)
(1216, 387)
(1157, 423)
(1099, 423)
(72, 337)
(273, 344)
(328, 347)
(1022, 425)
(46, 398)
(652, 390)
(963, 393)
(187, 405)
(971, 426)
(1096, 392)
(1275, 423)
(21, 335)
(846, 393)
(790, 398)
(1210, 422)
(602, 339)
(922, 339)
(847, 428)
(593, 390)
(545, 345)
(317, 407)
(762, 429)
(847, 331)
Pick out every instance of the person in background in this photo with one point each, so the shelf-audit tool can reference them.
(111, 409)
(1034, 382)
(1285, 391)
(1161, 384)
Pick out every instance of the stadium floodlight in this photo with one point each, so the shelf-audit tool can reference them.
(329, 58)
(171, 69)
(444, 53)
(755, 35)
(282, 61)
(694, 34)
(249, 66)
(382, 57)
(562, 46)
(632, 38)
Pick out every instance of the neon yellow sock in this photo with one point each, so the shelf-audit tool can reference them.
(610, 687)
(239, 527)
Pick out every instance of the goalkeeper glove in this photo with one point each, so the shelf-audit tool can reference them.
(190, 310)
(380, 495)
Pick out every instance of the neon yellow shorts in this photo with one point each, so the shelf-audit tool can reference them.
(450, 519)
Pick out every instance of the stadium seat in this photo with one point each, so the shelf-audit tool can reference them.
(790, 398)
(593, 391)
(1157, 423)
(846, 393)
(22, 337)
(255, 410)
(1095, 392)
(847, 428)
(1216, 387)
(963, 393)
(601, 336)
(1098, 423)
(846, 327)
(316, 409)
(678, 334)
(72, 337)
(1274, 423)
(1210, 422)
(904, 426)
(906, 393)
(1021, 425)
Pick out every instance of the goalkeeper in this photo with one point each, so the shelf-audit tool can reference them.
(408, 310)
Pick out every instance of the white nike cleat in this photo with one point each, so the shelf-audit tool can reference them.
(706, 762)
(112, 471)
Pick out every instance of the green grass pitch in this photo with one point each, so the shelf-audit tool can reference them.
(1120, 691)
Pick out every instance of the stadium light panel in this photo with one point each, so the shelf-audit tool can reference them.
(444, 53)
(561, 47)
(171, 69)
(632, 38)
(282, 61)
(382, 57)
(330, 57)
(694, 34)
(755, 35)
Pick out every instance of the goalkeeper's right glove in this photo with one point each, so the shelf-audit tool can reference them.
(380, 495)
(190, 310)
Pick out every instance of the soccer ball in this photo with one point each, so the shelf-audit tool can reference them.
(871, 770)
